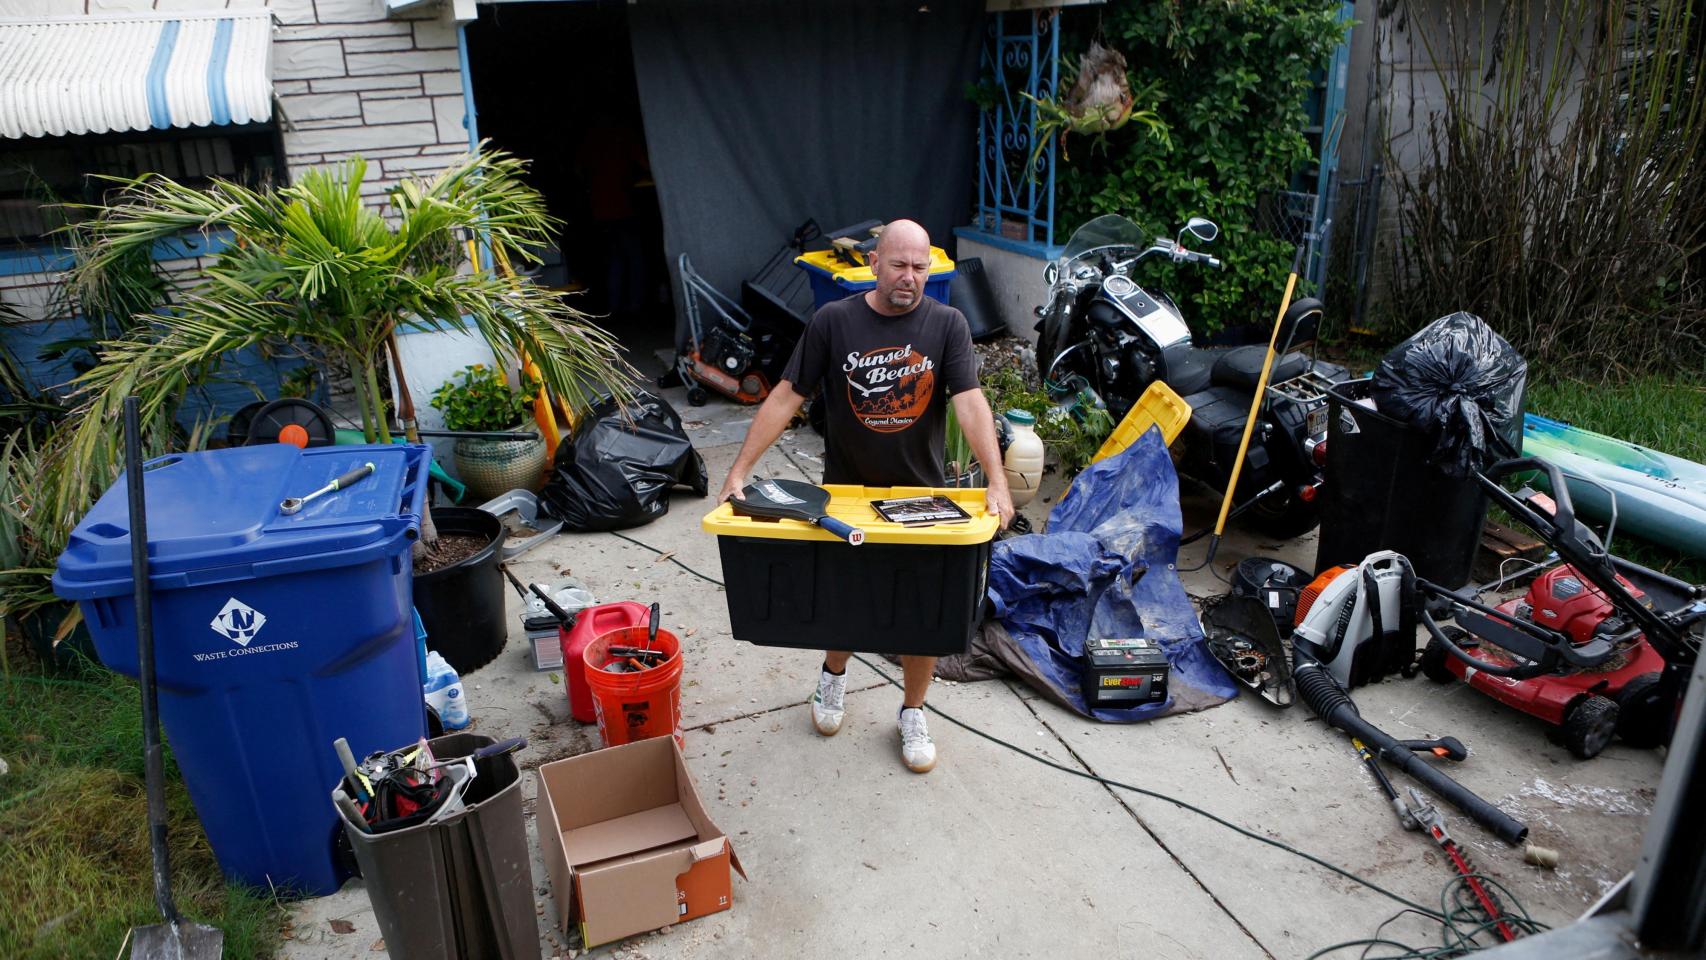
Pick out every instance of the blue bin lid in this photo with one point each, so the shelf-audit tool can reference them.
(213, 516)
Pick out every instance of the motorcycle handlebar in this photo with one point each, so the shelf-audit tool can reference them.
(1182, 255)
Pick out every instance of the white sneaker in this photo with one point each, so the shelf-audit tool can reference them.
(827, 702)
(916, 748)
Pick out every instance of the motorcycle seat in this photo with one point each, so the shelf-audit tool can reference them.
(1242, 367)
(1189, 371)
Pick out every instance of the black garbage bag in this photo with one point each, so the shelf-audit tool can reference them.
(616, 472)
(1461, 384)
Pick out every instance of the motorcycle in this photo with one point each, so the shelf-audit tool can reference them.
(1101, 331)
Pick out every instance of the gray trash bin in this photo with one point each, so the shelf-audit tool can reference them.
(460, 889)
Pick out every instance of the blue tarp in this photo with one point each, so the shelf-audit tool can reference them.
(1120, 523)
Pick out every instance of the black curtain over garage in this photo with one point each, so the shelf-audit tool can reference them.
(761, 113)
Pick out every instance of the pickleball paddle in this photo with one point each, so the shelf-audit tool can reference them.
(793, 500)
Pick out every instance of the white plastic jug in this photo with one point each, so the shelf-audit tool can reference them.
(444, 692)
(1024, 460)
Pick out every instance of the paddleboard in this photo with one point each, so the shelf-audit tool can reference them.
(1660, 498)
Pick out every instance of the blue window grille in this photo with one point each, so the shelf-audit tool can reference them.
(1015, 194)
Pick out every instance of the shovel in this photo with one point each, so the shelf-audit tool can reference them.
(177, 938)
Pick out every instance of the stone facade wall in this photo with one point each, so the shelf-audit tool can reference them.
(353, 81)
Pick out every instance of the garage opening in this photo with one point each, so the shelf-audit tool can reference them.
(554, 84)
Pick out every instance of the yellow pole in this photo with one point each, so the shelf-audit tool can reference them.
(1256, 401)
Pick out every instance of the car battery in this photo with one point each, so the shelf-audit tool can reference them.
(542, 640)
(1123, 672)
(539, 625)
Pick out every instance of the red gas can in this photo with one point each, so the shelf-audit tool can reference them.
(590, 624)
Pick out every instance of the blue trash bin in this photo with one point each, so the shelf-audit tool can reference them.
(274, 634)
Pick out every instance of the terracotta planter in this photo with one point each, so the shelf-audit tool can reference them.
(494, 467)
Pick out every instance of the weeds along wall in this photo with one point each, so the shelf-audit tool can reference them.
(1229, 78)
(1549, 179)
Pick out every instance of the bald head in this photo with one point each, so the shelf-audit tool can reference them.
(901, 265)
(906, 234)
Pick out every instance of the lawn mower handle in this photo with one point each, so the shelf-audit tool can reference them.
(1560, 531)
(1554, 646)
(1563, 518)
(1515, 673)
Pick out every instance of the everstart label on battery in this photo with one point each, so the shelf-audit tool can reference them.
(1123, 672)
(1129, 681)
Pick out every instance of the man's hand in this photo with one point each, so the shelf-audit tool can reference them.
(998, 500)
(978, 425)
(732, 486)
(772, 418)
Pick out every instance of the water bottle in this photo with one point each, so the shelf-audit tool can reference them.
(1023, 461)
(443, 689)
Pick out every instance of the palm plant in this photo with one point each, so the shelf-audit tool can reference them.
(33, 534)
(312, 263)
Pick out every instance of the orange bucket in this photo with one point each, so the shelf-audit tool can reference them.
(635, 706)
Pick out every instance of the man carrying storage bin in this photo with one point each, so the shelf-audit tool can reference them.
(887, 359)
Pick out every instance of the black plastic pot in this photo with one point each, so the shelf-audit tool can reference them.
(38, 628)
(462, 606)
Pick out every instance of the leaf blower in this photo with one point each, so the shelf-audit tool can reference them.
(1342, 640)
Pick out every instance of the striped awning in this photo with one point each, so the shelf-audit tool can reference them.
(106, 74)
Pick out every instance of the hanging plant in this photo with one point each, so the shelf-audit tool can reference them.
(1099, 102)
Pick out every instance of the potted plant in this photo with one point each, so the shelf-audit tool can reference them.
(484, 402)
(313, 263)
(31, 535)
(960, 467)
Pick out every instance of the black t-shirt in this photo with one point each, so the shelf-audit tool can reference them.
(886, 382)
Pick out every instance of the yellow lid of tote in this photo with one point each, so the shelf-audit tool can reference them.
(1158, 407)
(852, 504)
(826, 262)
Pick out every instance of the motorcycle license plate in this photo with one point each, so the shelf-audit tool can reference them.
(1316, 423)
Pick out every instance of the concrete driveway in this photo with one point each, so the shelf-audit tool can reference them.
(993, 854)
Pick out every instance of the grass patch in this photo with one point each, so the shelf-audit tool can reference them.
(1666, 415)
(1663, 413)
(77, 869)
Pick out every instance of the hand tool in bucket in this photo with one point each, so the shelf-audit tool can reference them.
(793, 500)
(293, 504)
(403, 788)
(625, 659)
(177, 938)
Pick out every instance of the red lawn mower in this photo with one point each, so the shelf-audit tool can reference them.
(1597, 647)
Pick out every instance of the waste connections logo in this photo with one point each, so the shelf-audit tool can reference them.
(238, 622)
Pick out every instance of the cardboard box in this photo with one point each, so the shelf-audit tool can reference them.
(627, 842)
